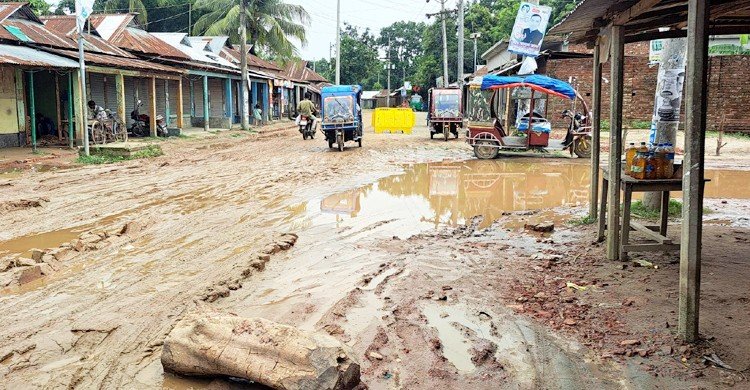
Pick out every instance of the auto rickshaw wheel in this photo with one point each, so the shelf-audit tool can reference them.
(359, 142)
(304, 136)
(340, 141)
(582, 147)
(486, 150)
(330, 144)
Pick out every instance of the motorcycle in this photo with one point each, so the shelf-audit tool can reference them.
(141, 126)
(306, 127)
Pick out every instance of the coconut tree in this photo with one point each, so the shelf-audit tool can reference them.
(118, 6)
(270, 23)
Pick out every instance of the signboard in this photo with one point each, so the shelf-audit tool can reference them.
(654, 51)
(529, 29)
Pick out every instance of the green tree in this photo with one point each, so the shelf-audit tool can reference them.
(359, 50)
(65, 5)
(402, 43)
(41, 7)
(270, 23)
(121, 6)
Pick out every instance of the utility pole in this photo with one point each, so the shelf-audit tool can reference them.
(460, 59)
(243, 65)
(443, 15)
(84, 99)
(338, 42)
(475, 36)
(388, 65)
(190, 18)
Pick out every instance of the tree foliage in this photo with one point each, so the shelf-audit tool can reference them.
(359, 56)
(270, 23)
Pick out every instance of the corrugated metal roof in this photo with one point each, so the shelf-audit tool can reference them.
(26, 56)
(194, 49)
(119, 29)
(9, 8)
(298, 71)
(261, 67)
(118, 62)
(64, 28)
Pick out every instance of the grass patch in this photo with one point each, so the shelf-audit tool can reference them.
(637, 124)
(585, 220)
(638, 209)
(237, 135)
(604, 125)
(110, 158)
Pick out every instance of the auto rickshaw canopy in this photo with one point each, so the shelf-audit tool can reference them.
(536, 82)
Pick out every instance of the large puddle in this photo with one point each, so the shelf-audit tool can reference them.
(450, 193)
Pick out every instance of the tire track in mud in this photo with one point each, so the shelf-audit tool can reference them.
(100, 321)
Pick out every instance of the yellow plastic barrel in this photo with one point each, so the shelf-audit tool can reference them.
(393, 120)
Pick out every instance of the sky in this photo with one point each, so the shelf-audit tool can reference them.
(374, 14)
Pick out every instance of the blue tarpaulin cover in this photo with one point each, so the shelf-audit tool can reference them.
(536, 81)
(338, 89)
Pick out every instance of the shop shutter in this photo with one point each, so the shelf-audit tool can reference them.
(96, 90)
(198, 97)
(216, 97)
(161, 97)
(110, 92)
(173, 95)
(187, 108)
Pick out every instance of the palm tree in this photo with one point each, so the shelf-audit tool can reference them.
(137, 6)
(270, 23)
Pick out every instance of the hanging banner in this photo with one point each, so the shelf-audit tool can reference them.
(83, 11)
(529, 29)
(670, 81)
(654, 51)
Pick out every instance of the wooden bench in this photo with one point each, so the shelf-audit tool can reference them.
(730, 126)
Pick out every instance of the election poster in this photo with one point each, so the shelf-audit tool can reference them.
(529, 29)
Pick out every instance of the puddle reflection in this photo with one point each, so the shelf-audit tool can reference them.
(451, 193)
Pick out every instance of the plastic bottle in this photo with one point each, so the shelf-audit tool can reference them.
(651, 166)
(638, 169)
(669, 163)
(629, 155)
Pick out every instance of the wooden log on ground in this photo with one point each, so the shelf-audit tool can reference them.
(275, 355)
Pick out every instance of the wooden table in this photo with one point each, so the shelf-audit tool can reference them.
(656, 234)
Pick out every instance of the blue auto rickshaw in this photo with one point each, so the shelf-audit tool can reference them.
(342, 114)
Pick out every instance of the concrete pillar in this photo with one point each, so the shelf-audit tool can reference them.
(152, 106)
(696, 95)
(120, 91)
(617, 60)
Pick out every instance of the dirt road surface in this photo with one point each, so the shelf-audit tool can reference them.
(390, 259)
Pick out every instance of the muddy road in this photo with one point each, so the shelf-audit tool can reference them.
(389, 258)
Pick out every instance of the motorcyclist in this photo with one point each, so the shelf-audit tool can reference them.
(307, 108)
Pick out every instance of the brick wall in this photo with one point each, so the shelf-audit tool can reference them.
(729, 88)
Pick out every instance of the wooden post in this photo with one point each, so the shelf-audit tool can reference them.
(152, 106)
(120, 91)
(180, 113)
(206, 107)
(58, 107)
(692, 179)
(167, 108)
(596, 104)
(71, 121)
(615, 141)
(32, 110)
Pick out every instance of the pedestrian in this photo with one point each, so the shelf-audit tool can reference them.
(257, 115)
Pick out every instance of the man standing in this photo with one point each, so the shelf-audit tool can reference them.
(532, 34)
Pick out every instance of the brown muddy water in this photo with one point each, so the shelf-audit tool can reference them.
(450, 193)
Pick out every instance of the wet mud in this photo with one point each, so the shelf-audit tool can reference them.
(402, 250)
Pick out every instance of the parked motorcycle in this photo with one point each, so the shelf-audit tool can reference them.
(141, 123)
(306, 127)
